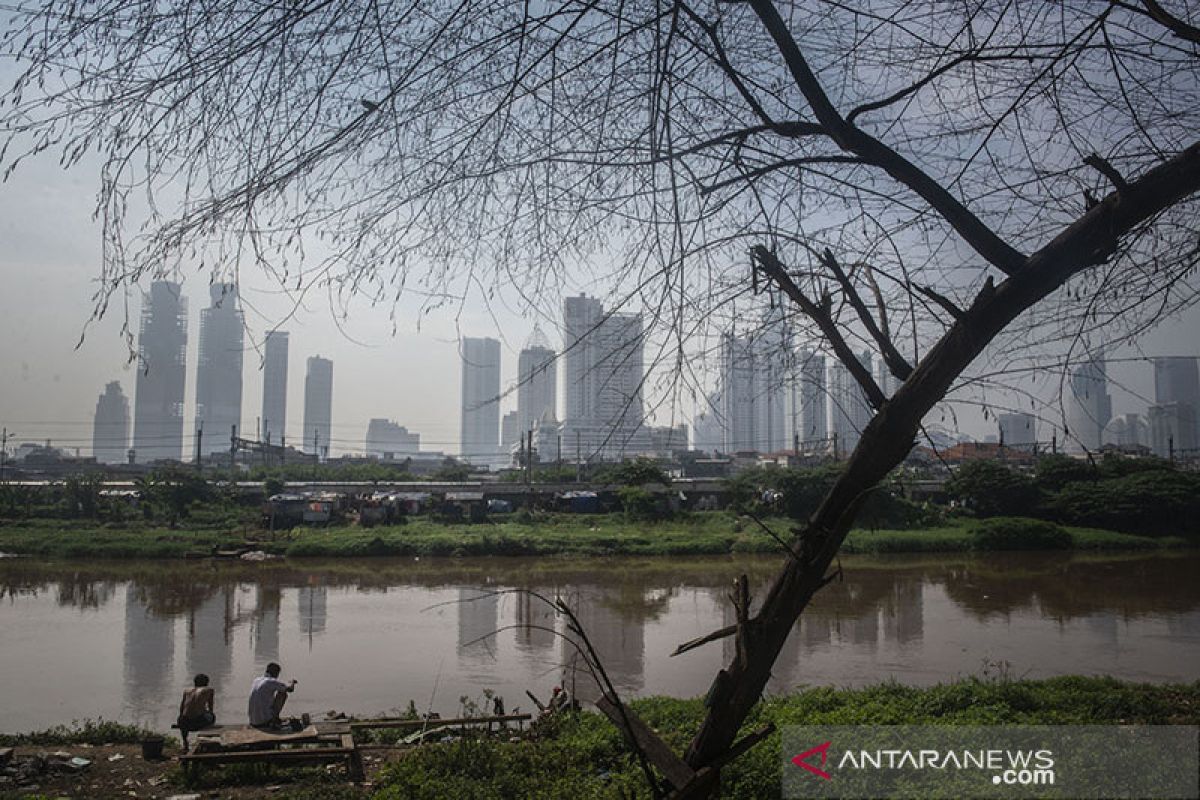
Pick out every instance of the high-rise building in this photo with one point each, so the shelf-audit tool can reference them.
(219, 370)
(275, 378)
(708, 434)
(480, 419)
(387, 440)
(1175, 416)
(1018, 430)
(110, 427)
(318, 406)
(1177, 380)
(510, 432)
(774, 377)
(1090, 407)
(813, 423)
(739, 392)
(850, 411)
(1172, 429)
(602, 377)
(161, 360)
(537, 387)
(1127, 431)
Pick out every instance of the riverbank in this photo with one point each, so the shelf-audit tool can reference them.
(711, 533)
(582, 755)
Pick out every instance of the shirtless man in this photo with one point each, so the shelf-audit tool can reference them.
(196, 708)
(267, 696)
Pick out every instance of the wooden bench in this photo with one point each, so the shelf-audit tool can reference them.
(331, 746)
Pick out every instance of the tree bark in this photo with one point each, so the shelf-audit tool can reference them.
(892, 431)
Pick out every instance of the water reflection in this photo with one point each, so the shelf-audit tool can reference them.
(917, 618)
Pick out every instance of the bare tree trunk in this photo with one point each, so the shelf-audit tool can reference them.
(891, 433)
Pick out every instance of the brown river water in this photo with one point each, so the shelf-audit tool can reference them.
(121, 641)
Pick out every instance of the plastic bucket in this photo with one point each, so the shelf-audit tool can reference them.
(152, 749)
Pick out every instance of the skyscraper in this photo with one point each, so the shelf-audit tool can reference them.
(537, 387)
(480, 419)
(813, 426)
(850, 412)
(162, 350)
(219, 370)
(1175, 416)
(1090, 407)
(110, 428)
(603, 374)
(275, 376)
(318, 406)
(774, 376)
(1017, 429)
(738, 394)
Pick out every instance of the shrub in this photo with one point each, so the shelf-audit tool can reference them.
(1018, 533)
(638, 503)
(1150, 502)
(993, 490)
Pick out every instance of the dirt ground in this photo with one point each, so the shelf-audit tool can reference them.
(119, 771)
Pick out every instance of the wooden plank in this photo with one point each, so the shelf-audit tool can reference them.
(266, 756)
(242, 737)
(674, 768)
(391, 722)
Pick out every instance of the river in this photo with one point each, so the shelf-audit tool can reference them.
(122, 640)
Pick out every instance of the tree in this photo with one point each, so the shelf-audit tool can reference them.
(992, 489)
(923, 180)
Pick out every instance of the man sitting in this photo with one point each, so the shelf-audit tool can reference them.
(195, 709)
(267, 696)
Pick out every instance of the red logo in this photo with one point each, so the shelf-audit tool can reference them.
(800, 760)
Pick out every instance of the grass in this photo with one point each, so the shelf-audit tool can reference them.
(585, 758)
(93, 732)
(712, 533)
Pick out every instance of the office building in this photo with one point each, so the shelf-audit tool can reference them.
(219, 370)
(387, 440)
(275, 379)
(161, 377)
(1128, 432)
(812, 419)
(1018, 430)
(480, 418)
(1089, 407)
(603, 375)
(849, 410)
(537, 386)
(318, 407)
(110, 426)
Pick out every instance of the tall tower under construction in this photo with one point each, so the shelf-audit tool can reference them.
(162, 350)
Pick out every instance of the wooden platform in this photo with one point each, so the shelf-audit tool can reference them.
(320, 742)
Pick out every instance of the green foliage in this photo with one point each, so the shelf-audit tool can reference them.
(1018, 533)
(635, 472)
(1153, 502)
(452, 470)
(273, 486)
(638, 503)
(93, 732)
(582, 755)
(81, 495)
(1055, 471)
(992, 489)
(170, 493)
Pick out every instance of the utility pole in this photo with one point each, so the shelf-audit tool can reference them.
(578, 459)
(282, 450)
(232, 451)
(199, 439)
(1054, 443)
(529, 469)
(316, 451)
(558, 476)
(1171, 449)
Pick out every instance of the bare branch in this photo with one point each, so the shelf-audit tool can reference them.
(898, 365)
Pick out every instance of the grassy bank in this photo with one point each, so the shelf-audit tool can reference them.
(585, 757)
(715, 533)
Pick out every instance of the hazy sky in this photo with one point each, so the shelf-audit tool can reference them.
(49, 260)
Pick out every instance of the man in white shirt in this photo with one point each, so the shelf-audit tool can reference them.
(267, 696)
